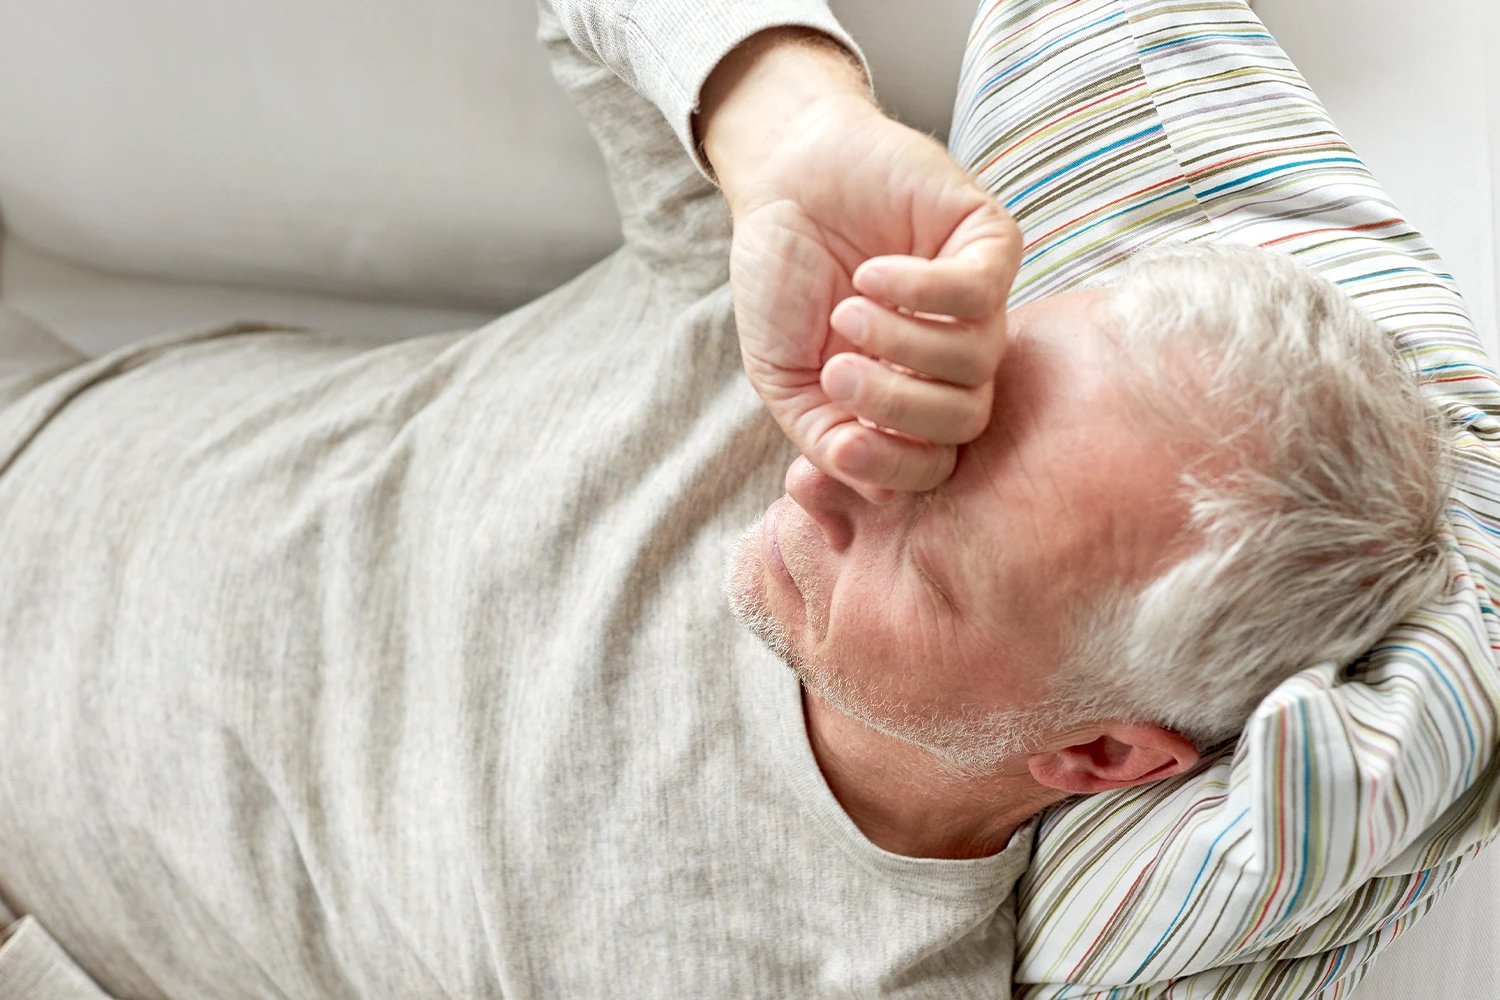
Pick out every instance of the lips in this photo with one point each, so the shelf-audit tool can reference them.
(771, 543)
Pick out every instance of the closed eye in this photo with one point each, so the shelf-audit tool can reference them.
(932, 584)
(930, 579)
(928, 532)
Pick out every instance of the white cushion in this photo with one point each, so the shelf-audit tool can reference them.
(357, 146)
(372, 147)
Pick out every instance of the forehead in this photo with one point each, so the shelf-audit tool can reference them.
(1065, 489)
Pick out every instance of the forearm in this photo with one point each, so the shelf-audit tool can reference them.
(771, 86)
(667, 49)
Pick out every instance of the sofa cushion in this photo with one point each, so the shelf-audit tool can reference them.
(372, 147)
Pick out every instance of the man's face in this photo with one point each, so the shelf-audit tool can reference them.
(937, 614)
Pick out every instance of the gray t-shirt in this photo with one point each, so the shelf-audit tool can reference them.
(340, 670)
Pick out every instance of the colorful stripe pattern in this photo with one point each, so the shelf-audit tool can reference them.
(1284, 864)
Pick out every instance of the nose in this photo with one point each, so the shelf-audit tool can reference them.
(832, 505)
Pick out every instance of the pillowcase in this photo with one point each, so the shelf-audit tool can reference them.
(1282, 865)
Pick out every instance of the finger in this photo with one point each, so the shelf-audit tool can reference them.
(965, 354)
(933, 411)
(875, 463)
(970, 277)
(948, 286)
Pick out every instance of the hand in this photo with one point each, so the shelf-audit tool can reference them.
(870, 273)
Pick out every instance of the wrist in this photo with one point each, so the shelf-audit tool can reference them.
(766, 90)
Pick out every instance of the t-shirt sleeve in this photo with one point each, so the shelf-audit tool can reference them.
(34, 967)
(666, 49)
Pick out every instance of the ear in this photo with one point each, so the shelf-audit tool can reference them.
(1121, 755)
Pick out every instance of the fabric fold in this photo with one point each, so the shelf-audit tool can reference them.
(1286, 863)
(666, 49)
(33, 967)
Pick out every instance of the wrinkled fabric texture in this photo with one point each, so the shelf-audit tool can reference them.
(1284, 864)
(335, 670)
(665, 49)
(343, 670)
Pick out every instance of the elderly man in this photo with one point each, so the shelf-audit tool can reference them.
(335, 670)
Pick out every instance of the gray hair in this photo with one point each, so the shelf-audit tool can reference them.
(1317, 473)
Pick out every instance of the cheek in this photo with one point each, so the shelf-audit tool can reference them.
(894, 639)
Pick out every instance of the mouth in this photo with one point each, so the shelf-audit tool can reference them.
(770, 541)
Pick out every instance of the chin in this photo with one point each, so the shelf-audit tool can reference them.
(746, 591)
(744, 573)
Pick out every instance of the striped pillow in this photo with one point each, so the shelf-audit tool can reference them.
(1282, 865)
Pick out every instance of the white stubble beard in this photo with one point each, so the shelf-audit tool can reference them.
(968, 746)
(745, 590)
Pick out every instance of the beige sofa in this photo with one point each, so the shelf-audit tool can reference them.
(399, 168)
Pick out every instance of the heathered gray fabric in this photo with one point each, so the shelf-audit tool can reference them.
(666, 48)
(340, 670)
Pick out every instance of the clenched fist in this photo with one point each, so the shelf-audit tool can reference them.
(870, 273)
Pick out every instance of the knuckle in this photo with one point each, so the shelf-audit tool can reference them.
(968, 365)
(987, 358)
(958, 300)
(961, 372)
(978, 303)
(971, 362)
(990, 292)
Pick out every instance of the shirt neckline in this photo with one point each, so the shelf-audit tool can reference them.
(953, 879)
